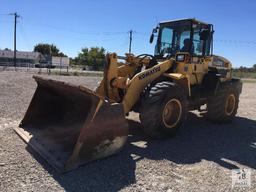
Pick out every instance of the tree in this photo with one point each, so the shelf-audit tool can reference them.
(94, 57)
(254, 67)
(48, 49)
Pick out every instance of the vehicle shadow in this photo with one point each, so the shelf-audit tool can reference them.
(198, 139)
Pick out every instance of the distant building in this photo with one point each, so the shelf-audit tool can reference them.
(32, 59)
(23, 58)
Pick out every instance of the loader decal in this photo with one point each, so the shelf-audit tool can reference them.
(150, 72)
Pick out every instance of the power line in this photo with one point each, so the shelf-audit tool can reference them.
(94, 33)
(116, 33)
(235, 41)
(113, 33)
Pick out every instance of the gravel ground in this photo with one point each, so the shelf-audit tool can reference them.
(199, 158)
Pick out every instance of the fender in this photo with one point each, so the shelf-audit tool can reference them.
(181, 79)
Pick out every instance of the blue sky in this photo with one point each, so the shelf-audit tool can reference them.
(74, 24)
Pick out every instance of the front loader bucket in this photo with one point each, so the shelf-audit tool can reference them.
(70, 125)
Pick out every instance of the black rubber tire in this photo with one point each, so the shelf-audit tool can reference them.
(152, 105)
(216, 104)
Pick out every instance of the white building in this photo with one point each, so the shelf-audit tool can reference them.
(60, 61)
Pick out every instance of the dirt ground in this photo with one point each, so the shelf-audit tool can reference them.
(199, 158)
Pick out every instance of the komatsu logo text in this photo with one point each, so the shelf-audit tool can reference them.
(150, 72)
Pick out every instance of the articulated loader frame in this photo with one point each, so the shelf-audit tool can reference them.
(72, 125)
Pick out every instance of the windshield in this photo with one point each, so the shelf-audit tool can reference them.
(176, 37)
(173, 38)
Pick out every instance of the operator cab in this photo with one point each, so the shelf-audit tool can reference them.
(187, 36)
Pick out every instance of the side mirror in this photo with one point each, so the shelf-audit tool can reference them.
(152, 35)
(151, 38)
(205, 34)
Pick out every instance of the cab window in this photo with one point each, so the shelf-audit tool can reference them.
(197, 43)
(166, 39)
(184, 42)
(200, 47)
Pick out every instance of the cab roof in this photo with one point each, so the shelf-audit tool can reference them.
(188, 19)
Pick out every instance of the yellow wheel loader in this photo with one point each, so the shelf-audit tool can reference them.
(72, 125)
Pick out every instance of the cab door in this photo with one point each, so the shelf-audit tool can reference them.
(197, 66)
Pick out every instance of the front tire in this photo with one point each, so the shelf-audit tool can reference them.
(163, 109)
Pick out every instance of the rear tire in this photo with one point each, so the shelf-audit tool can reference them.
(222, 107)
(163, 109)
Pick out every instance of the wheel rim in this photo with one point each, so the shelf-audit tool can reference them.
(172, 113)
(230, 104)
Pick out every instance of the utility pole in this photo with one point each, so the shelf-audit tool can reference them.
(15, 24)
(130, 44)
